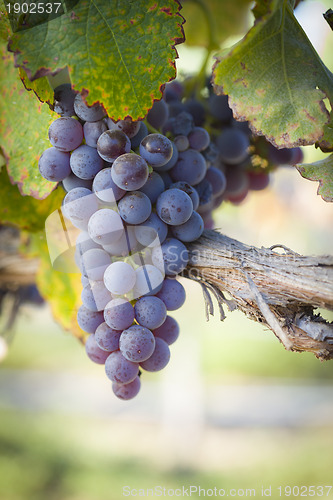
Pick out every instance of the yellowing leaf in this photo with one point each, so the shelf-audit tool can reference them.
(321, 171)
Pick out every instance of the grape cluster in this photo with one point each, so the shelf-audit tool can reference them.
(139, 193)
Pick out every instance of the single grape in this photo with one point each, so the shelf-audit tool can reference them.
(199, 139)
(171, 257)
(173, 91)
(54, 165)
(105, 226)
(219, 108)
(129, 172)
(94, 263)
(156, 149)
(119, 314)
(104, 187)
(258, 180)
(174, 207)
(119, 278)
(71, 181)
(152, 232)
(89, 320)
(158, 114)
(171, 163)
(79, 204)
(64, 97)
(148, 280)
(150, 312)
(153, 187)
(92, 131)
(169, 331)
(196, 110)
(205, 192)
(190, 167)
(137, 343)
(113, 143)
(166, 179)
(119, 369)
(160, 357)
(181, 124)
(65, 133)
(84, 280)
(212, 156)
(94, 352)
(237, 182)
(233, 145)
(134, 207)
(182, 143)
(172, 294)
(129, 127)
(95, 296)
(84, 243)
(87, 113)
(85, 162)
(217, 180)
(127, 391)
(106, 338)
(136, 139)
(191, 230)
(190, 190)
(126, 245)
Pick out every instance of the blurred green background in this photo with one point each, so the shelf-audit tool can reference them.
(232, 409)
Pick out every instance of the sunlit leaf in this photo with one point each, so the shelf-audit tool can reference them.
(321, 171)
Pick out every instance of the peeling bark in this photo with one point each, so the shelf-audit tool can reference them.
(279, 290)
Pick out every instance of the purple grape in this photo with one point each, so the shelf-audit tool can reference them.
(160, 357)
(119, 369)
(84, 243)
(172, 256)
(89, 320)
(87, 113)
(104, 187)
(129, 172)
(79, 205)
(105, 226)
(94, 352)
(54, 165)
(169, 331)
(137, 343)
(217, 180)
(113, 143)
(199, 139)
(119, 314)
(237, 182)
(166, 179)
(152, 232)
(95, 296)
(71, 181)
(127, 126)
(94, 263)
(191, 230)
(134, 207)
(149, 280)
(171, 163)
(150, 312)
(156, 149)
(190, 167)
(64, 97)
(181, 124)
(174, 207)
(158, 114)
(181, 142)
(65, 133)
(136, 139)
(190, 190)
(219, 108)
(205, 192)
(119, 278)
(106, 338)
(85, 162)
(153, 187)
(258, 180)
(127, 391)
(92, 132)
(197, 110)
(233, 145)
(126, 245)
(172, 294)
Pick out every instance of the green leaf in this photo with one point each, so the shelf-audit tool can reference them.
(61, 290)
(24, 124)
(41, 87)
(24, 211)
(276, 80)
(321, 171)
(120, 51)
(4, 23)
(213, 21)
(326, 142)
